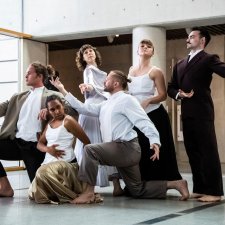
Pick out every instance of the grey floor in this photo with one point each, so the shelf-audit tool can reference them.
(116, 211)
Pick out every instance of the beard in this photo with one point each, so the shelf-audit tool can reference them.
(108, 89)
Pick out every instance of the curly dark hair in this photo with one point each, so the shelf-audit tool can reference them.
(81, 64)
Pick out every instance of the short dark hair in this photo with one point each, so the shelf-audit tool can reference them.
(121, 77)
(203, 33)
(52, 98)
(40, 70)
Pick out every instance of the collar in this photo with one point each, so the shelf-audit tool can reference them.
(37, 89)
(116, 94)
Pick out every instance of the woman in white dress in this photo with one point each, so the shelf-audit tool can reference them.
(148, 86)
(87, 60)
(56, 180)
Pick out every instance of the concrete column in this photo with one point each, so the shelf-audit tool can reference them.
(158, 37)
(31, 51)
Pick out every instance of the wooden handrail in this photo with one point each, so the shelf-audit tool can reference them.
(14, 33)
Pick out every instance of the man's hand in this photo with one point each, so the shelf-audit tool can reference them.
(155, 148)
(58, 84)
(183, 94)
(54, 152)
(43, 114)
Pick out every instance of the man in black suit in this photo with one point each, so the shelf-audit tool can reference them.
(190, 83)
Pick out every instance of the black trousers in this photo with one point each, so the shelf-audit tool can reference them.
(201, 147)
(19, 149)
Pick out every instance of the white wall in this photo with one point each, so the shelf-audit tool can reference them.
(82, 18)
(11, 15)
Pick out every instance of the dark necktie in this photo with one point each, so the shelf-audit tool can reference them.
(188, 58)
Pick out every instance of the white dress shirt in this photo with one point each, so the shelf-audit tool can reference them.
(193, 54)
(118, 115)
(28, 124)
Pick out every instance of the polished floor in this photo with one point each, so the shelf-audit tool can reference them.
(19, 210)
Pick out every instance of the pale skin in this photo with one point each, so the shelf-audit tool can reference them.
(194, 43)
(112, 85)
(33, 80)
(89, 57)
(56, 110)
(145, 52)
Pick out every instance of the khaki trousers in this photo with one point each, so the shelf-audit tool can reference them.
(125, 155)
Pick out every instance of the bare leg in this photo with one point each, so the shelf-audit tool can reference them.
(117, 191)
(87, 197)
(181, 186)
(210, 198)
(5, 188)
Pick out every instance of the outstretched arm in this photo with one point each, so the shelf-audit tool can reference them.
(138, 117)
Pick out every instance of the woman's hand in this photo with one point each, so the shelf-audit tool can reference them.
(145, 103)
(85, 87)
(54, 152)
(155, 148)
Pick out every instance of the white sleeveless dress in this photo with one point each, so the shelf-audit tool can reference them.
(64, 139)
(142, 88)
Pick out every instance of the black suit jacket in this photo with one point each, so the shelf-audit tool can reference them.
(197, 76)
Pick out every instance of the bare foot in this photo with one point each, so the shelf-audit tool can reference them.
(210, 198)
(181, 186)
(196, 195)
(117, 191)
(85, 198)
(5, 188)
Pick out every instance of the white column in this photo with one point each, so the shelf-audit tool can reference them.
(158, 37)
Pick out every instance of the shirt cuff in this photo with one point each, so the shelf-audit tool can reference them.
(177, 96)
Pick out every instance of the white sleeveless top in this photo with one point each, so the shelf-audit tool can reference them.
(64, 139)
(143, 87)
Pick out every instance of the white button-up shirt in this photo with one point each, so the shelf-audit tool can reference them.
(193, 54)
(28, 124)
(118, 115)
